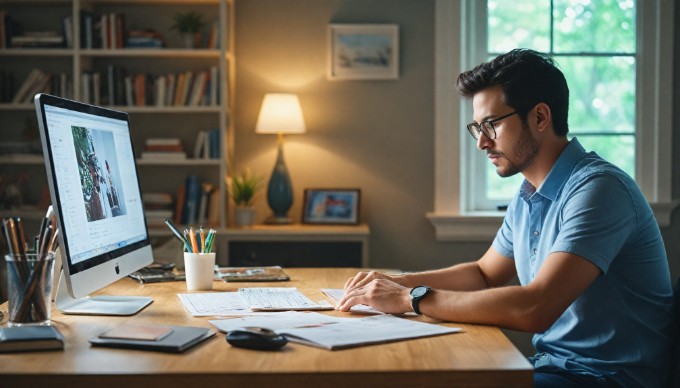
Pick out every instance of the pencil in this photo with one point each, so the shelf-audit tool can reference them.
(177, 234)
(192, 238)
(202, 233)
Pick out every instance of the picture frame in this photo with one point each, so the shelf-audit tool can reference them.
(363, 51)
(331, 206)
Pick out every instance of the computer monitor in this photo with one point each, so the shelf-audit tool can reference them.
(97, 201)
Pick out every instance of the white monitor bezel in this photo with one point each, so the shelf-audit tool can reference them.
(98, 272)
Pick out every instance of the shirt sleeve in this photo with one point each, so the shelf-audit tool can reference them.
(597, 219)
(502, 243)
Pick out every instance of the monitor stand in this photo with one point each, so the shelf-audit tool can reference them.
(98, 305)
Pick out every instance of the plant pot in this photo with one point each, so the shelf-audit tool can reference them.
(244, 216)
(191, 39)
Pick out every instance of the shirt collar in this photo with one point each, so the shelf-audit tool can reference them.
(558, 174)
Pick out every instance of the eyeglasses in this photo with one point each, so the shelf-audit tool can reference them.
(486, 127)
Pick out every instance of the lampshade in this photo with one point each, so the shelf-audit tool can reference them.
(280, 113)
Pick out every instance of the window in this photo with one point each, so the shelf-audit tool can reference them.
(606, 71)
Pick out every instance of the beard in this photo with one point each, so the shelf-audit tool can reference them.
(525, 149)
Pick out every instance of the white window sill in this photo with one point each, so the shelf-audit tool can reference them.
(482, 226)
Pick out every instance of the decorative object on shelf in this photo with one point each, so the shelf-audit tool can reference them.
(363, 51)
(331, 206)
(189, 24)
(281, 114)
(242, 190)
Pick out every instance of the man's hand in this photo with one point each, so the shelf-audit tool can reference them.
(378, 291)
(363, 278)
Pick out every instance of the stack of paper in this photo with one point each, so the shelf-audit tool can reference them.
(332, 333)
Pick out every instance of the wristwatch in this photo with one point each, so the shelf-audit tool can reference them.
(418, 293)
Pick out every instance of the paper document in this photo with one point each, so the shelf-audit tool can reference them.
(279, 299)
(332, 333)
(206, 304)
(277, 321)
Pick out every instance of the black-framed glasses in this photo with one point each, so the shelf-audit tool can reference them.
(486, 127)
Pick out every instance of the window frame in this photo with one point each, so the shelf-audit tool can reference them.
(457, 37)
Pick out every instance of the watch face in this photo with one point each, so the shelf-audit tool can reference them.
(419, 291)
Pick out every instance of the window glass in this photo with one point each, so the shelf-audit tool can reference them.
(509, 26)
(601, 93)
(593, 43)
(602, 26)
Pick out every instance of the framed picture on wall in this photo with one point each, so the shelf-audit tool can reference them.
(331, 206)
(363, 51)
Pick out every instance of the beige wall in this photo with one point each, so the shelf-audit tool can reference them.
(374, 135)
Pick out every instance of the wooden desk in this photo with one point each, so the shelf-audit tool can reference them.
(480, 356)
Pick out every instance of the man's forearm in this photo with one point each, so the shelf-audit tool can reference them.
(460, 277)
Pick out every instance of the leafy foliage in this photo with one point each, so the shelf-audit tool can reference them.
(188, 22)
(593, 42)
(244, 187)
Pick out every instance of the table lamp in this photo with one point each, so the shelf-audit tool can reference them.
(280, 114)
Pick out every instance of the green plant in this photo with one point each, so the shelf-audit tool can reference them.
(188, 22)
(244, 187)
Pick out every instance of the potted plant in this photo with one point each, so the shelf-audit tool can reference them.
(242, 191)
(189, 24)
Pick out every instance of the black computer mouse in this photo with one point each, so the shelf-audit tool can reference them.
(258, 338)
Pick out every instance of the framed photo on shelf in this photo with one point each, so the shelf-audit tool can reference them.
(331, 206)
(363, 51)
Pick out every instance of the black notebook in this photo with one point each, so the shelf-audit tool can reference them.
(30, 338)
(180, 339)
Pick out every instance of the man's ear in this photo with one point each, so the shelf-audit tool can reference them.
(543, 117)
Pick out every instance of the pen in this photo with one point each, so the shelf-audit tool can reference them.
(177, 234)
(192, 238)
(213, 232)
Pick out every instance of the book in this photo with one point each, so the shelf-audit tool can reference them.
(30, 338)
(252, 274)
(179, 340)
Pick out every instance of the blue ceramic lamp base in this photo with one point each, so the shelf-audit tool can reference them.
(280, 191)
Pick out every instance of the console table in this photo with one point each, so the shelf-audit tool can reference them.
(295, 245)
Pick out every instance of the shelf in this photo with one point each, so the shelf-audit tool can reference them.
(21, 159)
(37, 52)
(158, 53)
(182, 122)
(27, 214)
(187, 162)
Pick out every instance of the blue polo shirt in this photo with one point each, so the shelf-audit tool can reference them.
(620, 327)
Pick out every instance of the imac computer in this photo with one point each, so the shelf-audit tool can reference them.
(97, 201)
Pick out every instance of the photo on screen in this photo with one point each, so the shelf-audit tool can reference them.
(99, 173)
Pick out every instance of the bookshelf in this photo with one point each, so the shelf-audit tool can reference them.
(81, 56)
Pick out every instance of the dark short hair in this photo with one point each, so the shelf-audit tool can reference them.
(527, 78)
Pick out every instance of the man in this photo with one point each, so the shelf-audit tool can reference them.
(594, 280)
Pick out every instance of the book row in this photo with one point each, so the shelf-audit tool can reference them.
(117, 87)
(37, 81)
(103, 31)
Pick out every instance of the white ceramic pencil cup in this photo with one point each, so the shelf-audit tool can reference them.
(199, 270)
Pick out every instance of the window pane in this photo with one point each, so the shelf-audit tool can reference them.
(618, 149)
(509, 26)
(601, 93)
(594, 26)
(501, 189)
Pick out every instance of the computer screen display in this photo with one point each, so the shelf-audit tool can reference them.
(95, 192)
